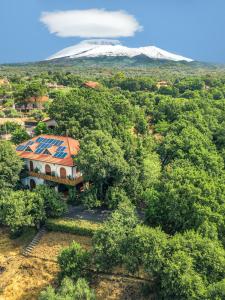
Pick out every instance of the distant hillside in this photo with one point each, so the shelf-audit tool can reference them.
(106, 65)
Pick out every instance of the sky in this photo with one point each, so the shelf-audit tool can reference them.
(32, 30)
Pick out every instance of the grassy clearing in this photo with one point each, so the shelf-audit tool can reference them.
(24, 277)
(52, 244)
(12, 247)
(80, 227)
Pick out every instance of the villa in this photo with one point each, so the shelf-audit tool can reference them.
(50, 160)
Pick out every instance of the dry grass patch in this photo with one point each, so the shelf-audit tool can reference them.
(22, 278)
(26, 277)
(119, 288)
(52, 243)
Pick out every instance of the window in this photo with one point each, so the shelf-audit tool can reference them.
(62, 172)
(31, 166)
(48, 170)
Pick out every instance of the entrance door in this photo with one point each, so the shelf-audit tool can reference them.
(32, 184)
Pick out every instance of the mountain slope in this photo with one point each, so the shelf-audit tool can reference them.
(108, 48)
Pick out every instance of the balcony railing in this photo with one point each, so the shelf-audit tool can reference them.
(66, 181)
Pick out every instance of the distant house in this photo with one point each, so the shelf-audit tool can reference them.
(162, 83)
(4, 81)
(91, 85)
(32, 103)
(6, 137)
(50, 161)
(50, 123)
(55, 86)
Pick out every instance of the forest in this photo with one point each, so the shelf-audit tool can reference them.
(152, 149)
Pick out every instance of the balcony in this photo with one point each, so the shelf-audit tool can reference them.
(66, 181)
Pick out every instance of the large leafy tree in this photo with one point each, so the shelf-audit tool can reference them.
(20, 135)
(189, 143)
(188, 196)
(21, 209)
(10, 166)
(109, 242)
(83, 110)
(102, 161)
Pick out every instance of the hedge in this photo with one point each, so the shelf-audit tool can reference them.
(80, 227)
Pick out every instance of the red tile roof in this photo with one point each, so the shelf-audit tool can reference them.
(72, 148)
(91, 84)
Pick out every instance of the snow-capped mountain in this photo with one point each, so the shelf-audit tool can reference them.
(112, 48)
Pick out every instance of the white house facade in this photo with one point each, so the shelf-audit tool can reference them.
(50, 160)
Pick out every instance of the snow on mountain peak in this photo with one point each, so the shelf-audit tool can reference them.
(103, 47)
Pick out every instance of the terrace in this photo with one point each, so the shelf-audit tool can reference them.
(52, 177)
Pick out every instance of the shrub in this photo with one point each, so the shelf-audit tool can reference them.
(54, 206)
(74, 262)
(69, 291)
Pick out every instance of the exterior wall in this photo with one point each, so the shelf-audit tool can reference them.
(70, 171)
(50, 123)
(26, 181)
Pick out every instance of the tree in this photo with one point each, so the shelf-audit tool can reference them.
(19, 135)
(41, 128)
(180, 281)
(110, 240)
(38, 115)
(217, 290)
(187, 197)
(21, 209)
(10, 166)
(34, 89)
(54, 205)
(189, 143)
(69, 291)
(84, 110)
(145, 248)
(74, 262)
(102, 162)
(208, 256)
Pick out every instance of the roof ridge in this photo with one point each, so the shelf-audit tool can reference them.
(68, 146)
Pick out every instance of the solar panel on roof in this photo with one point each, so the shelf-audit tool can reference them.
(60, 154)
(59, 143)
(40, 139)
(61, 149)
(30, 143)
(38, 151)
(21, 148)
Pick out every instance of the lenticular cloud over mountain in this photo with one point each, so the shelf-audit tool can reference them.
(91, 23)
(113, 48)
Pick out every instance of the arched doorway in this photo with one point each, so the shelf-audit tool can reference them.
(62, 172)
(32, 184)
(48, 170)
(31, 166)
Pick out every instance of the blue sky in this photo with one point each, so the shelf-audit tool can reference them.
(192, 28)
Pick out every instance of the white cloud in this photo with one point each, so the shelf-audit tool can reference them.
(91, 23)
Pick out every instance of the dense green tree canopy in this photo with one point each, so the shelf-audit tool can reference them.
(10, 165)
